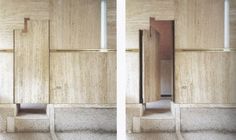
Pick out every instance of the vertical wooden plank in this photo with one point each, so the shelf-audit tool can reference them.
(75, 24)
(232, 18)
(199, 24)
(32, 63)
(151, 66)
(205, 77)
(6, 77)
(74, 80)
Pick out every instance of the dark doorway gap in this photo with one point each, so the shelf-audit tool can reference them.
(32, 108)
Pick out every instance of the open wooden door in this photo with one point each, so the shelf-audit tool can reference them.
(150, 66)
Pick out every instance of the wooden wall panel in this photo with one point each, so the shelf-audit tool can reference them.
(6, 77)
(12, 14)
(83, 77)
(133, 75)
(138, 13)
(75, 24)
(32, 63)
(151, 66)
(111, 24)
(232, 14)
(205, 77)
(199, 24)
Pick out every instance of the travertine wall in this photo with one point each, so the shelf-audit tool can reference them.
(58, 61)
(204, 71)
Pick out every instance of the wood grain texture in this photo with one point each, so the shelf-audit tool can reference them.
(133, 75)
(205, 77)
(138, 13)
(199, 24)
(111, 24)
(12, 14)
(6, 77)
(75, 24)
(151, 66)
(83, 77)
(32, 63)
(232, 14)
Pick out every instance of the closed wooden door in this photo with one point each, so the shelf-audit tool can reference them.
(32, 63)
(150, 66)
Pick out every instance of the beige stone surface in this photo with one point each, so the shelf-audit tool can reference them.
(4, 113)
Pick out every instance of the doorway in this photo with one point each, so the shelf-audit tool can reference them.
(158, 99)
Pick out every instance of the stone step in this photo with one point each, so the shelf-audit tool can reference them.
(154, 121)
(28, 123)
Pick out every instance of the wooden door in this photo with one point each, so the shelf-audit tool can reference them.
(150, 66)
(32, 63)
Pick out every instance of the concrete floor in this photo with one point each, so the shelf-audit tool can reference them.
(25, 136)
(208, 136)
(82, 135)
(86, 135)
(151, 136)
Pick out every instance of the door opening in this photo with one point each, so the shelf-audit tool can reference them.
(165, 66)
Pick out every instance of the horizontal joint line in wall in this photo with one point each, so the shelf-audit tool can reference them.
(93, 50)
(84, 50)
(132, 50)
(7, 50)
(207, 50)
(86, 105)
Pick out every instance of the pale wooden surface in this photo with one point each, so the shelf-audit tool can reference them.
(32, 63)
(151, 66)
(83, 77)
(133, 75)
(205, 77)
(12, 14)
(111, 24)
(6, 77)
(138, 13)
(199, 24)
(232, 14)
(75, 24)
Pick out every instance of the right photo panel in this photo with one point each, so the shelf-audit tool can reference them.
(180, 65)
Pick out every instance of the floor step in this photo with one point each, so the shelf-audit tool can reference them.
(154, 121)
(157, 114)
(32, 123)
(157, 125)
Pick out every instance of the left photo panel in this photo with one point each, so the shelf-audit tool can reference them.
(58, 69)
